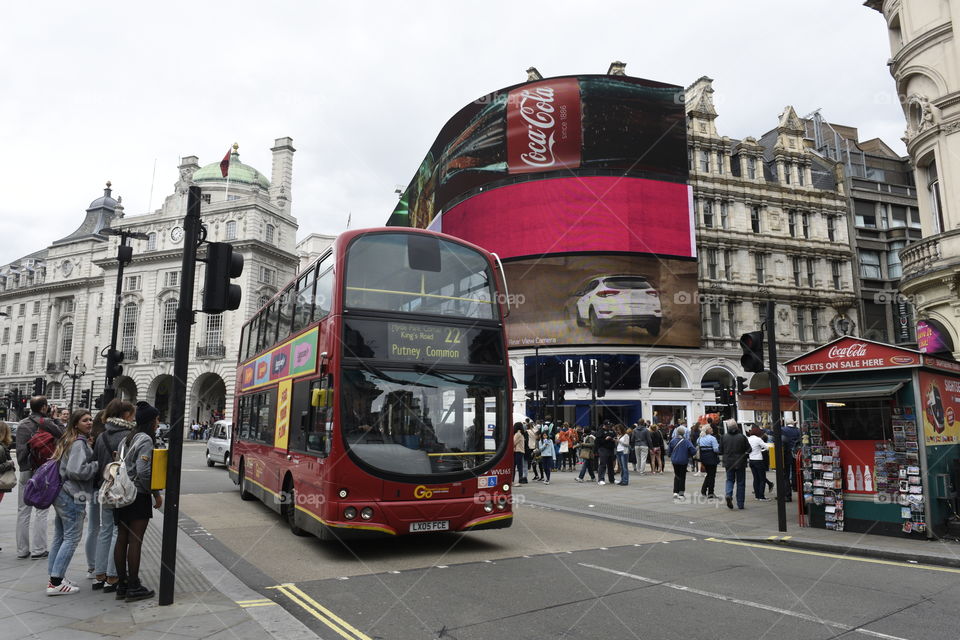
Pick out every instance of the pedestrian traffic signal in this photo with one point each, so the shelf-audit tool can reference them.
(752, 346)
(219, 294)
(718, 395)
(114, 358)
(39, 386)
(85, 398)
(731, 396)
(741, 384)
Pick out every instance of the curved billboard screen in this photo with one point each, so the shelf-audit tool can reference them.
(565, 215)
(604, 125)
(579, 184)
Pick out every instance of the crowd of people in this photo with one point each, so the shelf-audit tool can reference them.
(610, 452)
(84, 445)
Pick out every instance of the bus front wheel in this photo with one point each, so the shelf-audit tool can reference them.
(244, 493)
(290, 508)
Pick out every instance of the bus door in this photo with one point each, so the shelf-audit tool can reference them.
(310, 432)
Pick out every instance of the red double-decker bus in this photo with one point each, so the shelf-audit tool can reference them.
(373, 392)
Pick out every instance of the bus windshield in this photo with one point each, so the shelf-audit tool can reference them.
(422, 423)
(415, 273)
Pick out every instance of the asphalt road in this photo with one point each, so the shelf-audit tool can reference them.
(560, 575)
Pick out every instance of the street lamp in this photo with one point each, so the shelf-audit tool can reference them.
(124, 257)
(79, 370)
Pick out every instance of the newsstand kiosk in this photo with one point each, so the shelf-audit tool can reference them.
(880, 429)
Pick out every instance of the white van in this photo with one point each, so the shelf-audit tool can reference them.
(218, 445)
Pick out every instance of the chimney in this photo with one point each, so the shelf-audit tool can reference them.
(281, 177)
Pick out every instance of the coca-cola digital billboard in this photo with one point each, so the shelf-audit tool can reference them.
(590, 125)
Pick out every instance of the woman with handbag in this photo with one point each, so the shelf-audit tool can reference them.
(132, 520)
(587, 455)
(78, 469)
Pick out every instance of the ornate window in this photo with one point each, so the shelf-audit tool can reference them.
(152, 241)
(168, 326)
(271, 233)
(231, 230)
(66, 342)
(128, 340)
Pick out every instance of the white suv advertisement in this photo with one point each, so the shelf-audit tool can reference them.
(622, 300)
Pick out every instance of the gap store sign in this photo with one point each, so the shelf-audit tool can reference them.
(576, 371)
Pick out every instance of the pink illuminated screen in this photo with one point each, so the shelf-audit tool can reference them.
(565, 215)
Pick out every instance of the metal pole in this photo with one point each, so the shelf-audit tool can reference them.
(775, 410)
(168, 552)
(108, 392)
(73, 386)
(594, 419)
(537, 414)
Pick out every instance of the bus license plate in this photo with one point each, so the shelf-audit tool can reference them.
(436, 525)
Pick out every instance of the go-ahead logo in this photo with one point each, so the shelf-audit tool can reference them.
(420, 492)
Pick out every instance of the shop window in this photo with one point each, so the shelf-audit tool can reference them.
(860, 418)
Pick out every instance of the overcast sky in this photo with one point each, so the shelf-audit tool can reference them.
(98, 91)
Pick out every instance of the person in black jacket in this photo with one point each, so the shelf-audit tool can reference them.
(118, 419)
(606, 443)
(735, 449)
(32, 546)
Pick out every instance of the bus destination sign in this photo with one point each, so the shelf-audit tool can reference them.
(427, 343)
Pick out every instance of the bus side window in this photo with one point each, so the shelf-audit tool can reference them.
(266, 417)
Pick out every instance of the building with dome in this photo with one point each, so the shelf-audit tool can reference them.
(59, 301)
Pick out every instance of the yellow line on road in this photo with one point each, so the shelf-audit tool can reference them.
(259, 604)
(320, 612)
(824, 554)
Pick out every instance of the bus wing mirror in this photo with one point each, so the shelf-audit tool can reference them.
(319, 398)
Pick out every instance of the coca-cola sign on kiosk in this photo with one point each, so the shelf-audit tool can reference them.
(849, 354)
(543, 126)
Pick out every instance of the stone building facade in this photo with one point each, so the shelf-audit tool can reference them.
(59, 300)
(923, 63)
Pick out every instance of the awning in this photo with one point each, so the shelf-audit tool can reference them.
(836, 392)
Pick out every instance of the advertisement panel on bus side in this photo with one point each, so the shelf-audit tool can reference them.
(293, 358)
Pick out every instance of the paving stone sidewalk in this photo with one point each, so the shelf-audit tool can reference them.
(208, 602)
(648, 500)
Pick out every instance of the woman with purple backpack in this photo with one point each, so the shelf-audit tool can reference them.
(78, 470)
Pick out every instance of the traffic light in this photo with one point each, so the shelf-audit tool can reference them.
(39, 386)
(560, 395)
(741, 384)
(718, 395)
(731, 396)
(752, 346)
(114, 358)
(98, 402)
(219, 294)
(85, 398)
(604, 378)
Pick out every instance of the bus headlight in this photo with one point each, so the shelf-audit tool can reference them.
(506, 487)
(502, 503)
(488, 506)
(350, 513)
(342, 493)
(366, 513)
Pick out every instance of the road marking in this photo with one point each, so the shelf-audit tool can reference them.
(318, 611)
(893, 563)
(747, 603)
(259, 602)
